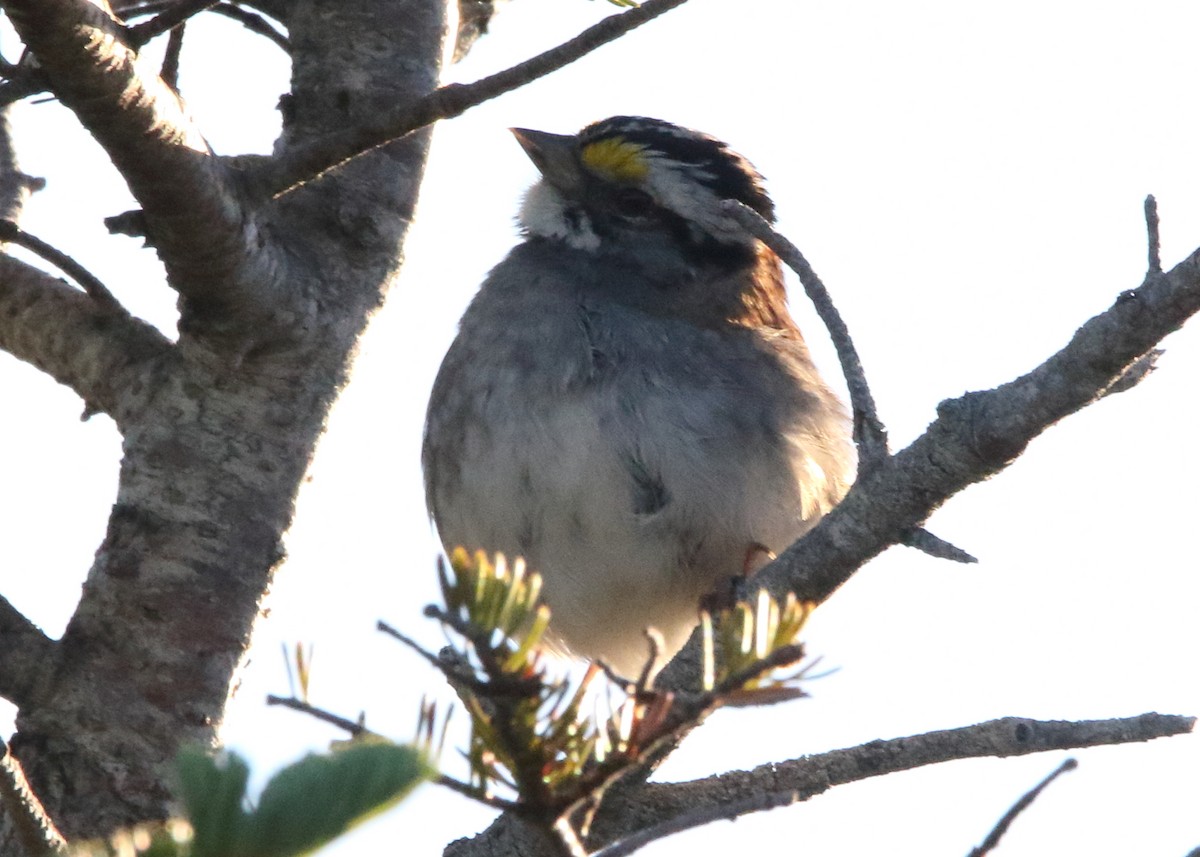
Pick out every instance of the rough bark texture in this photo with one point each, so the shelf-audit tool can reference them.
(219, 426)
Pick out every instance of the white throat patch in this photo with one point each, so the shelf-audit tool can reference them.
(545, 213)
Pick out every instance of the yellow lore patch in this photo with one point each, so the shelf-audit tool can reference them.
(616, 158)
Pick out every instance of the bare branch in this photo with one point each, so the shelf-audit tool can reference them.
(1026, 800)
(25, 653)
(204, 236)
(15, 186)
(96, 290)
(974, 437)
(869, 433)
(96, 351)
(35, 830)
(1152, 252)
(170, 65)
(727, 796)
(474, 794)
(252, 21)
(305, 163)
(32, 82)
(354, 727)
(173, 16)
(256, 24)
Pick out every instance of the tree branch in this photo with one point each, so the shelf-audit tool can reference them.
(674, 807)
(35, 831)
(194, 214)
(1023, 803)
(96, 290)
(355, 728)
(252, 21)
(96, 351)
(170, 64)
(171, 17)
(727, 796)
(975, 436)
(15, 186)
(25, 654)
(869, 433)
(307, 162)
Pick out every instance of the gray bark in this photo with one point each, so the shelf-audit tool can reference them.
(219, 426)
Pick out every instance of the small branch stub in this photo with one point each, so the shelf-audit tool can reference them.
(1154, 256)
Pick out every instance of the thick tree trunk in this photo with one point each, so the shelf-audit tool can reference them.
(218, 427)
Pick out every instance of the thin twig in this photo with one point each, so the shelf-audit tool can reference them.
(15, 185)
(1153, 248)
(993, 838)
(172, 16)
(869, 433)
(26, 655)
(567, 838)
(252, 21)
(410, 642)
(95, 289)
(22, 79)
(354, 727)
(476, 795)
(306, 163)
(170, 64)
(654, 649)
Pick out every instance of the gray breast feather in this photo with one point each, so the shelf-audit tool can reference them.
(633, 459)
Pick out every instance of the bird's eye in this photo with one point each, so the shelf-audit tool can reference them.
(633, 203)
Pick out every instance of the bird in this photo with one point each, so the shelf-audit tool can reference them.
(628, 404)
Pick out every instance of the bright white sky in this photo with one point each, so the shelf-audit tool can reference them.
(968, 180)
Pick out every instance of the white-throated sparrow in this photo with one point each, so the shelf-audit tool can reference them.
(628, 403)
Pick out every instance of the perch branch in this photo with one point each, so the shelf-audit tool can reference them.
(974, 437)
(307, 162)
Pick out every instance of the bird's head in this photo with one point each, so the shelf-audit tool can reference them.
(630, 181)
